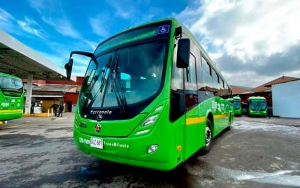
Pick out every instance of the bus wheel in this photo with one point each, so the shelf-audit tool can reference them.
(229, 123)
(208, 138)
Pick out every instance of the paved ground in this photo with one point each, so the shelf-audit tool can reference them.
(257, 152)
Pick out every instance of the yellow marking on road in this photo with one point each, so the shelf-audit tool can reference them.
(59, 119)
(15, 126)
(37, 115)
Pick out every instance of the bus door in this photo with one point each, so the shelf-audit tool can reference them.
(192, 133)
(177, 113)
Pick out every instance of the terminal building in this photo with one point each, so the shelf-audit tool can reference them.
(284, 102)
(18, 59)
(46, 92)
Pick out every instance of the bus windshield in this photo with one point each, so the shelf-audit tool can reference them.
(236, 104)
(257, 105)
(11, 84)
(133, 72)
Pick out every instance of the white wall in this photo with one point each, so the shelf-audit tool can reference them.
(73, 108)
(286, 99)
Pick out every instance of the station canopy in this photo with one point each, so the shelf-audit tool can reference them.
(20, 60)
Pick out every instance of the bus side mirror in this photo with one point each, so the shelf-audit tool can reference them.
(183, 53)
(68, 67)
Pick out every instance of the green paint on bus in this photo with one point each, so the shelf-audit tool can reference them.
(137, 107)
(11, 97)
(257, 106)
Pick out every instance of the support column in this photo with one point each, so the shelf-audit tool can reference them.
(28, 94)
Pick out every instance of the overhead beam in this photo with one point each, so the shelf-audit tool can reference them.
(16, 56)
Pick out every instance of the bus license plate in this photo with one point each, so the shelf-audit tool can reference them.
(96, 143)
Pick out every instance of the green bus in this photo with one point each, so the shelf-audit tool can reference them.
(237, 105)
(257, 106)
(151, 97)
(11, 97)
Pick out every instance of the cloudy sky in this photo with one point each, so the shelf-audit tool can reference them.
(251, 41)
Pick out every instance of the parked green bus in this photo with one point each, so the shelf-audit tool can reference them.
(257, 106)
(11, 97)
(151, 97)
(237, 105)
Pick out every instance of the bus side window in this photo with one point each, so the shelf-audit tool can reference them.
(191, 97)
(207, 76)
(177, 106)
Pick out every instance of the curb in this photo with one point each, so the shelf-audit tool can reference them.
(37, 115)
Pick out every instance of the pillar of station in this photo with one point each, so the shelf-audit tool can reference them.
(28, 94)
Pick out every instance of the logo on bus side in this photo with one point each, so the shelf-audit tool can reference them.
(5, 104)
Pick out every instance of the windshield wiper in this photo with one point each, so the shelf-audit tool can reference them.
(120, 100)
(104, 72)
(92, 86)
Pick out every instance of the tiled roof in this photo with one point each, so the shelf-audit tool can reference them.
(266, 87)
(239, 89)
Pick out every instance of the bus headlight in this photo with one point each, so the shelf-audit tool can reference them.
(152, 148)
(150, 120)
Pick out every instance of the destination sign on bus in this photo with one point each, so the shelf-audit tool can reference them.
(134, 35)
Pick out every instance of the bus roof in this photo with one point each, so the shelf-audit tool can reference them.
(9, 75)
(186, 31)
(256, 98)
(237, 97)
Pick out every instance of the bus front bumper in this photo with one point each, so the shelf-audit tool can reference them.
(130, 151)
(5, 116)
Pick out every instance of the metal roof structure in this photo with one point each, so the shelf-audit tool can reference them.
(20, 60)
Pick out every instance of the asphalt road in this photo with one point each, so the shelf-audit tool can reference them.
(257, 152)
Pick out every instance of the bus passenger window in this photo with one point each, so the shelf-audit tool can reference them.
(191, 97)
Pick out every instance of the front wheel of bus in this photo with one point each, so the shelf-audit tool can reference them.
(208, 138)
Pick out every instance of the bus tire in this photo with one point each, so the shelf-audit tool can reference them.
(208, 138)
(229, 123)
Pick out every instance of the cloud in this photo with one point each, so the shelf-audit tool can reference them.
(10, 23)
(134, 10)
(100, 25)
(63, 26)
(59, 54)
(30, 26)
(5, 16)
(38, 5)
(123, 10)
(6, 20)
(257, 36)
(52, 13)
(266, 68)
(92, 45)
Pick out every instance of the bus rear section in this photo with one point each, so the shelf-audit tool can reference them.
(136, 107)
(11, 97)
(257, 106)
